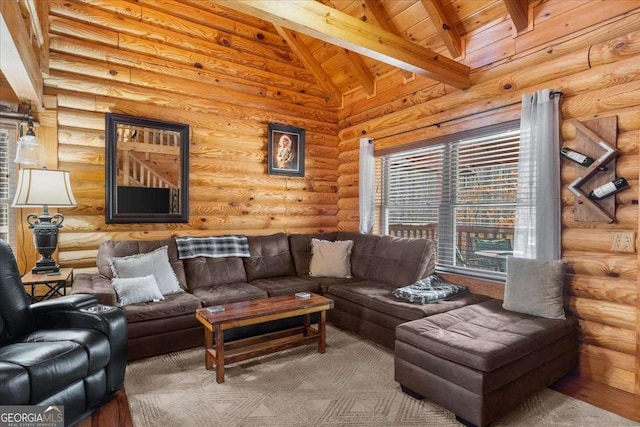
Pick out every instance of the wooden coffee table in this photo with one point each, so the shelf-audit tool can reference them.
(259, 311)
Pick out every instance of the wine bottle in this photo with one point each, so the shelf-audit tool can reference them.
(575, 156)
(608, 189)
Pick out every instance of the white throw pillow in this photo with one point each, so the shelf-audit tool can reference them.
(330, 259)
(155, 263)
(135, 290)
(535, 287)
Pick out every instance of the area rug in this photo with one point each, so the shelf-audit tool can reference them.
(350, 385)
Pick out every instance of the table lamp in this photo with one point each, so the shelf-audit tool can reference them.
(46, 188)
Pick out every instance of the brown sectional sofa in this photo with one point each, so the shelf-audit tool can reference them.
(454, 364)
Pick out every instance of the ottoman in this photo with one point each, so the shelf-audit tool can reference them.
(481, 360)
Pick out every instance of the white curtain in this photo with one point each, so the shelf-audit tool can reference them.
(537, 230)
(367, 185)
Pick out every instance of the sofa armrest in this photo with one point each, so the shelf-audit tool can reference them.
(96, 285)
(82, 311)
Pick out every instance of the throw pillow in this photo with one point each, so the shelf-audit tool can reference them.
(535, 287)
(155, 263)
(135, 290)
(429, 290)
(330, 259)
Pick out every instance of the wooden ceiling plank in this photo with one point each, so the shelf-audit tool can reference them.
(317, 20)
(381, 19)
(444, 25)
(360, 70)
(18, 61)
(300, 49)
(519, 12)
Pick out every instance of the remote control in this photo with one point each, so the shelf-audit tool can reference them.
(215, 309)
(303, 295)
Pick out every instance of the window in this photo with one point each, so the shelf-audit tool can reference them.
(460, 192)
(7, 182)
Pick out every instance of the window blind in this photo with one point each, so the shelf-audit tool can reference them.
(7, 183)
(459, 193)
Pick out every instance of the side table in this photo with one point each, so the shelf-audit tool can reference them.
(56, 285)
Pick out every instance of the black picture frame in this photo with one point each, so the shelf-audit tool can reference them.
(178, 210)
(285, 150)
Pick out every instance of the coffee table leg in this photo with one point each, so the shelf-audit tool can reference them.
(208, 345)
(219, 335)
(306, 318)
(322, 330)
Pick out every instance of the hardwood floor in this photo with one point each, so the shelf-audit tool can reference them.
(600, 395)
(116, 413)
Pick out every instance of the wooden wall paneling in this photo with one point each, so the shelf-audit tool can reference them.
(602, 285)
(637, 368)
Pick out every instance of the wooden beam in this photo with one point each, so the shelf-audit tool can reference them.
(519, 12)
(381, 19)
(300, 49)
(332, 26)
(18, 61)
(444, 25)
(360, 70)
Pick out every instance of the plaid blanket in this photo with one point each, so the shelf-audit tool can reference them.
(429, 290)
(213, 247)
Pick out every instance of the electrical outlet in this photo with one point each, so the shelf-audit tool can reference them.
(623, 241)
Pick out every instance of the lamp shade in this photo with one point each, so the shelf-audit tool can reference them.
(43, 187)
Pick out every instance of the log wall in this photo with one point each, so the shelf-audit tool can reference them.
(596, 64)
(226, 79)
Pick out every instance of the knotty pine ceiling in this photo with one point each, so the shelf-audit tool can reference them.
(195, 29)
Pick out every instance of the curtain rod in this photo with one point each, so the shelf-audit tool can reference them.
(551, 96)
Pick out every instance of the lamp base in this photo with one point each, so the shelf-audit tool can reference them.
(45, 266)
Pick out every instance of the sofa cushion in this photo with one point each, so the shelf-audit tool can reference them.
(379, 297)
(123, 248)
(225, 294)
(300, 247)
(270, 257)
(483, 336)
(330, 259)
(173, 305)
(535, 287)
(205, 272)
(15, 384)
(400, 262)
(326, 282)
(95, 343)
(52, 366)
(364, 246)
(286, 285)
(134, 290)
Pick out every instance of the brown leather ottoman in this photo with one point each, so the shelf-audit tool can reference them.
(481, 360)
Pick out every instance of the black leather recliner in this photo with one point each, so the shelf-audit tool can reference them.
(68, 351)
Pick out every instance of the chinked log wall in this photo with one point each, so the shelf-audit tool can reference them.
(147, 61)
(597, 68)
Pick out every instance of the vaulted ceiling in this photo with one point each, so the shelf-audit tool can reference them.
(340, 45)
(349, 43)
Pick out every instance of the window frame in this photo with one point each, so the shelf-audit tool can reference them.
(447, 243)
(8, 146)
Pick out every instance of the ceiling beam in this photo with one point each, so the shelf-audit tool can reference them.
(519, 12)
(444, 25)
(18, 61)
(381, 19)
(332, 26)
(360, 70)
(301, 50)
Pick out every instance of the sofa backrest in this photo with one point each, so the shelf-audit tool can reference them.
(122, 248)
(270, 257)
(364, 246)
(400, 262)
(205, 272)
(300, 245)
